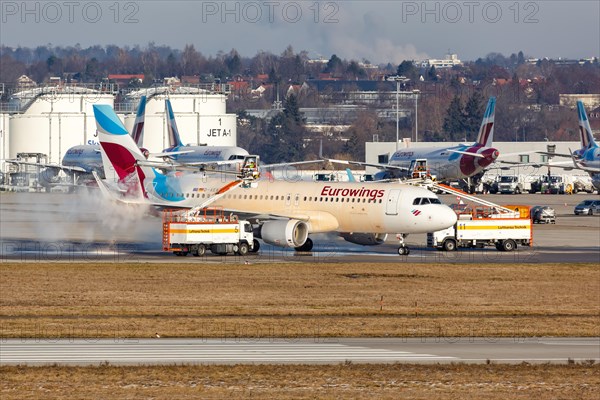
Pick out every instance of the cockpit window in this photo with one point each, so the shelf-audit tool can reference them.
(425, 200)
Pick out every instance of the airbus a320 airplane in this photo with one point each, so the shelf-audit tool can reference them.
(445, 163)
(586, 158)
(285, 212)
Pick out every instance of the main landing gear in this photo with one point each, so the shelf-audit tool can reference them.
(403, 250)
(306, 247)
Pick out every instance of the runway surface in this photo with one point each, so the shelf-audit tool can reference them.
(40, 227)
(292, 351)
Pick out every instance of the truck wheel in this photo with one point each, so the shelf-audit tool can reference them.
(242, 249)
(517, 190)
(449, 244)
(255, 246)
(509, 245)
(200, 251)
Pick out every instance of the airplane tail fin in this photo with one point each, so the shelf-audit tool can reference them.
(585, 131)
(119, 149)
(486, 131)
(138, 127)
(174, 138)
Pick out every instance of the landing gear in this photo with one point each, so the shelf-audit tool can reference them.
(255, 246)
(403, 250)
(307, 246)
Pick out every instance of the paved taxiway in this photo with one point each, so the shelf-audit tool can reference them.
(306, 351)
(82, 227)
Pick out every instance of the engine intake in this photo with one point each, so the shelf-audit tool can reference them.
(284, 233)
(365, 239)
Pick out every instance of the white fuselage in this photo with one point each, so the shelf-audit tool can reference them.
(324, 206)
(445, 164)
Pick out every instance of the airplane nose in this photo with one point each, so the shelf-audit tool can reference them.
(446, 217)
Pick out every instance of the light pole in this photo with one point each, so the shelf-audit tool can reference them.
(397, 79)
(416, 94)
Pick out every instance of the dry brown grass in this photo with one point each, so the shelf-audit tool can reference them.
(104, 300)
(303, 382)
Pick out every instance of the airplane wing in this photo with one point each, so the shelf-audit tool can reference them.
(171, 153)
(289, 164)
(54, 166)
(380, 166)
(554, 154)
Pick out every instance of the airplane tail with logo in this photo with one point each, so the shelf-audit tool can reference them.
(486, 131)
(138, 127)
(119, 150)
(585, 131)
(174, 138)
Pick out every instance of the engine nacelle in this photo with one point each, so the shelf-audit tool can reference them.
(365, 239)
(284, 233)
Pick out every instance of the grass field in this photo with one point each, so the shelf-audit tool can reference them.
(346, 381)
(298, 300)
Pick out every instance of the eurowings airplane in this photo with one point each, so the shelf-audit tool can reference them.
(227, 157)
(586, 158)
(286, 212)
(190, 155)
(445, 163)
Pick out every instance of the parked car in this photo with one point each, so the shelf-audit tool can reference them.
(543, 215)
(588, 207)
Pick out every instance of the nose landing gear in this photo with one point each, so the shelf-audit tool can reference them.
(403, 250)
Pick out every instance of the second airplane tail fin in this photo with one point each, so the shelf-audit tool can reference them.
(138, 127)
(585, 131)
(486, 131)
(119, 149)
(174, 138)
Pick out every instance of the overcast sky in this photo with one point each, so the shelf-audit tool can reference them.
(379, 31)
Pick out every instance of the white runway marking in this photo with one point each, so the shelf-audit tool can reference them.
(200, 351)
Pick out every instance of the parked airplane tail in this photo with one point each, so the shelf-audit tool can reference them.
(174, 138)
(138, 127)
(585, 131)
(120, 151)
(486, 131)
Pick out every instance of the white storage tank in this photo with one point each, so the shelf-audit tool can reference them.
(200, 116)
(50, 122)
(4, 134)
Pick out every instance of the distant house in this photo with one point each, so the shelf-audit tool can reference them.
(24, 82)
(293, 89)
(358, 91)
(590, 101)
(190, 80)
(125, 79)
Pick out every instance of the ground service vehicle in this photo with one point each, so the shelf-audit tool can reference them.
(476, 230)
(509, 184)
(485, 225)
(196, 232)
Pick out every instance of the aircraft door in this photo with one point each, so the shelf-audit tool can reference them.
(391, 205)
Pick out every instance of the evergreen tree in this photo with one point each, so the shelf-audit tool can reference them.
(474, 110)
(455, 121)
(432, 74)
(407, 69)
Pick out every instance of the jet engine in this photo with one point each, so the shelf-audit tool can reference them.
(283, 233)
(365, 239)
